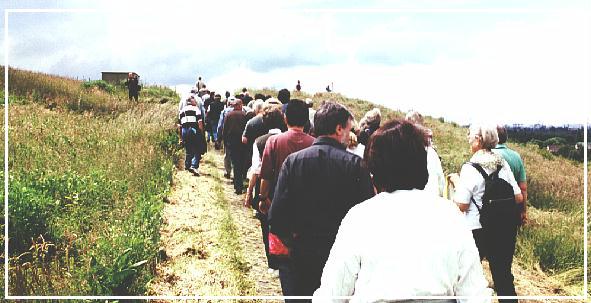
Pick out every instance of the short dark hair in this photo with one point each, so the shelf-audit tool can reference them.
(259, 96)
(283, 96)
(328, 116)
(396, 156)
(273, 117)
(296, 112)
(502, 132)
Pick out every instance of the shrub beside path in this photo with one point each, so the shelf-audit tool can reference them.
(211, 244)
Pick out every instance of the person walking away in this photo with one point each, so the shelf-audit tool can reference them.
(315, 188)
(517, 168)
(254, 129)
(436, 183)
(381, 253)
(234, 124)
(133, 86)
(191, 133)
(369, 124)
(215, 109)
(496, 239)
(274, 121)
(227, 160)
(276, 150)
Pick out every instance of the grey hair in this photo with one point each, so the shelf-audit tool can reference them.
(257, 106)
(414, 117)
(487, 133)
(372, 117)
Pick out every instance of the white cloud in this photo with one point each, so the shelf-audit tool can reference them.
(441, 64)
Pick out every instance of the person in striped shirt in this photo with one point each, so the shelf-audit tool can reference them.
(190, 122)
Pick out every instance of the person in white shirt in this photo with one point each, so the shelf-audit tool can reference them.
(354, 146)
(436, 182)
(497, 247)
(404, 242)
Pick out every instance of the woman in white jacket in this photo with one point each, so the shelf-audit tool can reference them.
(404, 243)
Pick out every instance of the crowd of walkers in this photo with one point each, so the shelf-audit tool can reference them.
(357, 209)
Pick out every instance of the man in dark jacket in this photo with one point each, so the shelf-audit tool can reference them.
(133, 86)
(315, 189)
(234, 124)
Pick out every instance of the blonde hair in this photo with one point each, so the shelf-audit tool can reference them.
(486, 133)
(353, 140)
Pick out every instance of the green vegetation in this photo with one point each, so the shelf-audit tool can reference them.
(87, 180)
(230, 242)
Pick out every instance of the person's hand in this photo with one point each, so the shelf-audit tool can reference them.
(454, 178)
(264, 205)
(524, 218)
(247, 200)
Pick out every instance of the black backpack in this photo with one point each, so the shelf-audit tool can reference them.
(498, 201)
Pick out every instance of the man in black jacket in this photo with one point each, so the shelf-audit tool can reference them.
(133, 86)
(315, 189)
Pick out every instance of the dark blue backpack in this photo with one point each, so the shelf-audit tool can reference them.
(498, 201)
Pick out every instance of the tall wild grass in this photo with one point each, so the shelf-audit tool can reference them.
(87, 181)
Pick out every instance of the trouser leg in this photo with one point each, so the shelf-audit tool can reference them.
(307, 271)
(478, 236)
(237, 164)
(196, 160)
(500, 256)
(227, 160)
(286, 279)
(186, 134)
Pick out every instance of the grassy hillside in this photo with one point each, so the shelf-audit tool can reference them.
(553, 240)
(88, 173)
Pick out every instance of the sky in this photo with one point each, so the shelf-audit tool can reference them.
(500, 61)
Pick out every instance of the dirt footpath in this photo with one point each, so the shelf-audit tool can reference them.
(194, 222)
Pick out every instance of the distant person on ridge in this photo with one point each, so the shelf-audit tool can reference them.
(298, 86)
(200, 84)
(517, 167)
(133, 86)
(328, 88)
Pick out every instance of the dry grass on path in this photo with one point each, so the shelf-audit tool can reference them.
(212, 243)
